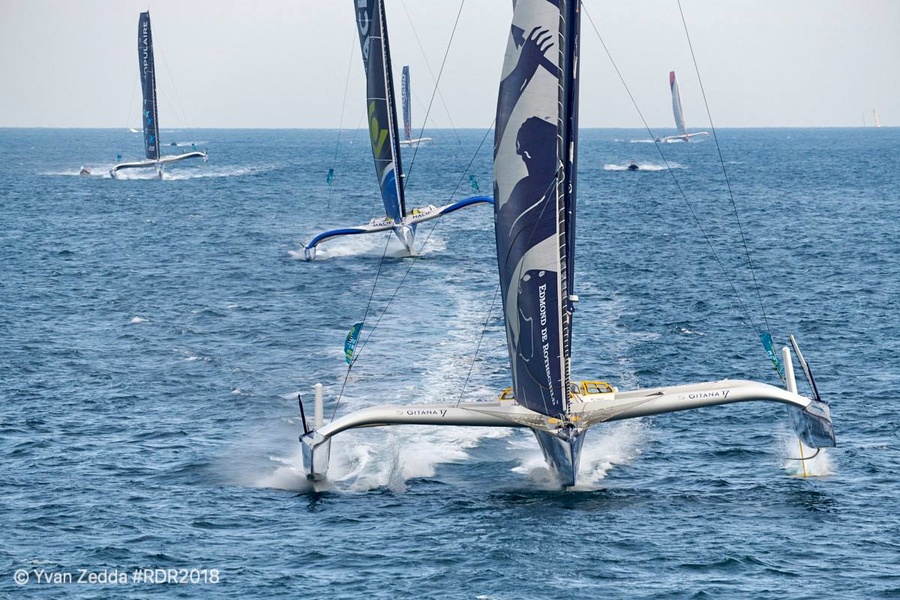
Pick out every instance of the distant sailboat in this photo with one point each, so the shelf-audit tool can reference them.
(535, 158)
(683, 135)
(385, 139)
(408, 139)
(875, 118)
(155, 159)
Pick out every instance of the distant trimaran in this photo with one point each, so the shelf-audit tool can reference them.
(408, 139)
(683, 135)
(384, 136)
(147, 70)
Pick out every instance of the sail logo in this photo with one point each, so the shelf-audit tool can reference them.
(377, 134)
(703, 395)
(545, 345)
(145, 54)
(427, 413)
(363, 23)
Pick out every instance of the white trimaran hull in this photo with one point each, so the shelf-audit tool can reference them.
(561, 444)
(157, 164)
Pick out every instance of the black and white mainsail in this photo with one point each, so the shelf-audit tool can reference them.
(534, 198)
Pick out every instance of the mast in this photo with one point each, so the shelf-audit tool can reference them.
(380, 104)
(148, 87)
(534, 193)
(569, 93)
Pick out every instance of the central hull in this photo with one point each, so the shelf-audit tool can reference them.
(561, 453)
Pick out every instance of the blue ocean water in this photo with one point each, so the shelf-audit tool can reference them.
(154, 336)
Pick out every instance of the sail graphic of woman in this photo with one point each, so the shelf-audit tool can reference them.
(531, 56)
(536, 144)
(527, 217)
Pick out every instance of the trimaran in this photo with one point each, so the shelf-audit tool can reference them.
(408, 139)
(535, 150)
(147, 70)
(683, 135)
(384, 136)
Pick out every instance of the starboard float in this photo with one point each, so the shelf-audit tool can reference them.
(384, 136)
(535, 159)
(147, 69)
(683, 135)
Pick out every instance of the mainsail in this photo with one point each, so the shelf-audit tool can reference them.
(380, 106)
(148, 87)
(676, 104)
(534, 198)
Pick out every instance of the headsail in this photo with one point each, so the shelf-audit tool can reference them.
(380, 105)
(534, 185)
(148, 87)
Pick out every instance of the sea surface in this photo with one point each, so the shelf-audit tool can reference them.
(155, 335)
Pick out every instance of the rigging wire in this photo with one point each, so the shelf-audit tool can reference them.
(390, 300)
(724, 170)
(437, 83)
(472, 160)
(134, 89)
(365, 314)
(178, 104)
(428, 65)
(496, 289)
(337, 144)
(690, 207)
(415, 257)
(487, 320)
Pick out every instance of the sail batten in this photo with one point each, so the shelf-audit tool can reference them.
(380, 104)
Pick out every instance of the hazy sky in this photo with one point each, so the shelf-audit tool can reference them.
(284, 63)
